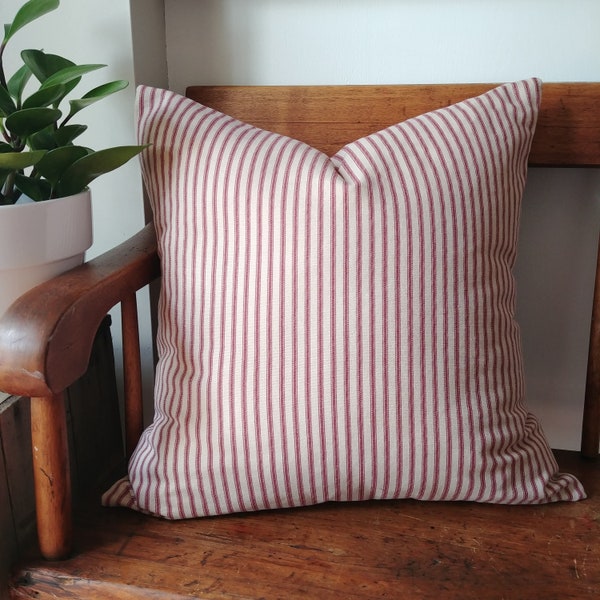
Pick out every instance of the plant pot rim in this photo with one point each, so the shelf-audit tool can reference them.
(47, 203)
(45, 231)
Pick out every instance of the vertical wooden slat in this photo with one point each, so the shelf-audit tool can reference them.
(590, 432)
(51, 475)
(132, 373)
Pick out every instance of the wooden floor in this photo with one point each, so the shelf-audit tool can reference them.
(398, 550)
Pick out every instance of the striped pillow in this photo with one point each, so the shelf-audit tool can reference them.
(338, 328)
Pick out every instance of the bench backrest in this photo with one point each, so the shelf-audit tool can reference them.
(328, 117)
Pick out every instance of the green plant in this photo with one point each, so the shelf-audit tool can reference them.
(38, 153)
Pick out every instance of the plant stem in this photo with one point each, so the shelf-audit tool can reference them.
(9, 187)
(4, 133)
(2, 76)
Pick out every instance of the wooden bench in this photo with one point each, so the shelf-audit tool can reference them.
(325, 551)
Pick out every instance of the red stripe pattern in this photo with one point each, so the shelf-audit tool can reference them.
(338, 328)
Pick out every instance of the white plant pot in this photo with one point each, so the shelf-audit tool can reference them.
(39, 240)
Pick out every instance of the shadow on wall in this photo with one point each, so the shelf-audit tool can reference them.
(212, 25)
(149, 42)
(555, 274)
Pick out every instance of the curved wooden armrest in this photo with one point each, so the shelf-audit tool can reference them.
(46, 336)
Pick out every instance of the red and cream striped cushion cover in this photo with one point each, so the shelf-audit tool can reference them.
(338, 328)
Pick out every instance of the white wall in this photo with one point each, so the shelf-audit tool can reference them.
(413, 41)
(382, 41)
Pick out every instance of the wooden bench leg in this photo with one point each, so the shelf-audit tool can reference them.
(51, 475)
(132, 372)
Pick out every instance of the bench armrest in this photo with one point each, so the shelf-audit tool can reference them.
(46, 335)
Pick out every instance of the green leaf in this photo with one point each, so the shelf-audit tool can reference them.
(43, 139)
(27, 13)
(36, 189)
(4, 147)
(81, 173)
(96, 94)
(45, 97)
(13, 161)
(67, 133)
(16, 84)
(56, 162)
(51, 137)
(69, 74)
(44, 65)
(30, 120)
(7, 106)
